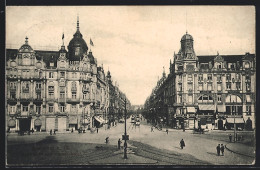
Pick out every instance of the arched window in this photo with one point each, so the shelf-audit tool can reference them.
(205, 99)
(233, 99)
(247, 65)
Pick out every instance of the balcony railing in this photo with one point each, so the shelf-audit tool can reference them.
(12, 100)
(61, 113)
(61, 100)
(37, 89)
(73, 88)
(25, 90)
(73, 100)
(86, 100)
(12, 89)
(84, 89)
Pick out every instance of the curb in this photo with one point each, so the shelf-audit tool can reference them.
(238, 152)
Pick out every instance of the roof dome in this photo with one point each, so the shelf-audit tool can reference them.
(77, 46)
(26, 47)
(186, 37)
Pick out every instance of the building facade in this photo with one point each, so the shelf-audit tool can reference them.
(209, 92)
(58, 90)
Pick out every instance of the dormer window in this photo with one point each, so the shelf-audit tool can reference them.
(247, 65)
(77, 50)
(51, 64)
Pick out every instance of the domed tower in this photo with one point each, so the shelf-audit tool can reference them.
(77, 46)
(26, 55)
(187, 50)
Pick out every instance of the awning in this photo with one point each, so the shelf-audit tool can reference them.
(221, 108)
(191, 110)
(37, 122)
(98, 119)
(103, 121)
(11, 123)
(207, 107)
(73, 120)
(237, 120)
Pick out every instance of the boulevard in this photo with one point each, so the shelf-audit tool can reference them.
(144, 147)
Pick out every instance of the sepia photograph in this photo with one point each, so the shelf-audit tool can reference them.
(130, 85)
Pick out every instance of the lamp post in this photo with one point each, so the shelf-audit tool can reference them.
(125, 138)
(234, 122)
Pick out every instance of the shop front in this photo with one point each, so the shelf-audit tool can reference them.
(37, 124)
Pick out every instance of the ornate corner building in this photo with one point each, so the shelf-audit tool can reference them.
(210, 92)
(58, 90)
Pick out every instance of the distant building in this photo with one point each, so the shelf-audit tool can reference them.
(205, 91)
(58, 90)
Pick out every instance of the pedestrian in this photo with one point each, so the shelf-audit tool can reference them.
(51, 132)
(32, 130)
(230, 138)
(71, 130)
(222, 148)
(107, 140)
(119, 143)
(54, 131)
(167, 131)
(97, 130)
(151, 129)
(182, 143)
(218, 149)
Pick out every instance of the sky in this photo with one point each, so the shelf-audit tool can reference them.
(135, 42)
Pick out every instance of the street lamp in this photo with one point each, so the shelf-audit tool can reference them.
(125, 137)
(234, 122)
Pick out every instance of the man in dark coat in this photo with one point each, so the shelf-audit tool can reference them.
(230, 138)
(51, 132)
(222, 148)
(119, 143)
(218, 149)
(182, 143)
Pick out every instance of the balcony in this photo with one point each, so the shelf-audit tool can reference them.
(51, 99)
(86, 79)
(61, 113)
(84, 89)
(73, 100)
(25, 90)
(37, 77)
(61, 100)
(86, 100)
(26, 99)
(11, 100)
(37, 100)
(73, 88)
(13, 89)
(38, 90)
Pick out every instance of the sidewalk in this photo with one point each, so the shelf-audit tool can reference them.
(241, 149)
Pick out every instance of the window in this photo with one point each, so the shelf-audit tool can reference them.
(74, 95)
(62, 74)
(248, 110)
(50, 74)
(200, 87)
(180, 77)
(51, 94)
(190, 86)
(190, 98)
(25, 108)
(189, 77)
(84, 96)
(228, 86)
(38, 109)
(73, 108)
(219, 87)
(247, 77)
(12, 109)
(200, 77)
(248, 88)
(62, 95)
(180, 87)
(218, 77)
(219, 66)
(210, 77)
(62, 108)
(38, 85)
(228, 77)
(248, 98)
(13, 96)
(180, 99)
(209, 86)
(231, 65)
(77, 50)
(247, 65)
(238, 77)
(38, 95)
(50, 108)
(238, 86)
(219, 99)
(51, 64)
